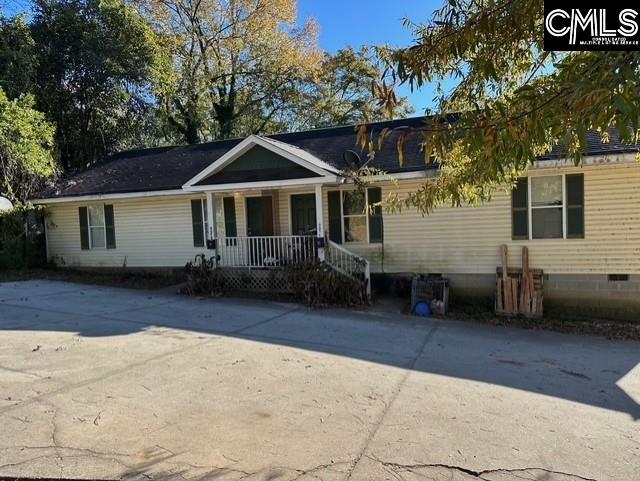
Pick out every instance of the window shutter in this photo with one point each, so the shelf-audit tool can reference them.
(520, 210)
(335, 216)
(575, 206)
(110, 227)
(374, 195)
(197, 221)
(230, 228)
(84, 228)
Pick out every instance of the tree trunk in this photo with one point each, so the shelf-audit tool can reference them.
(224, 116)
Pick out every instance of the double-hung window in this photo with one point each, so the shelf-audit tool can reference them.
(355, 216)
(548, 207)
(97, 230)
(97, 227)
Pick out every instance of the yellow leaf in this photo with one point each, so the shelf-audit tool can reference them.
(399, 146)
(381, 138)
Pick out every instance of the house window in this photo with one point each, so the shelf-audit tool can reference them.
(97, 228)
(548, 207)
(199, 221)
(354, 216)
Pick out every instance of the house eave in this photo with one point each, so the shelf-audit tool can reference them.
(586, 161)
(114, 196)
(267, 184)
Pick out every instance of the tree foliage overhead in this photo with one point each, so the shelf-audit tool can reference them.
(342, 93)
(26, 144)
(96, 62)
(235, 61)
(515, 100)
(111, 75)
(17, 57)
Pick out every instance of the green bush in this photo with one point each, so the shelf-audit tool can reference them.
(22, 238)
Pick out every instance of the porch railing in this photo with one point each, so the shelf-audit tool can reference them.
(347, 262)
(265, 251)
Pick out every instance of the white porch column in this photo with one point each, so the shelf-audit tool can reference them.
(320, 221)
(211, 235)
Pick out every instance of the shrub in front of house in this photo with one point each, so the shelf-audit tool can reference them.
(203, 279)
(314, 284)
(22, 239)
(317, 284)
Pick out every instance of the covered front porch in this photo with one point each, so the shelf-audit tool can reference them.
(266, 228)
(265, 207)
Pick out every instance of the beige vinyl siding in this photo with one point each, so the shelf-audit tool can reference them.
(157, 231)
(241, 215)
(149, 233)
(467, 239)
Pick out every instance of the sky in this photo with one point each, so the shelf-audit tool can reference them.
(350, 23)
(370, 22)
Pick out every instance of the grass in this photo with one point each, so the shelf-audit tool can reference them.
(135, 280)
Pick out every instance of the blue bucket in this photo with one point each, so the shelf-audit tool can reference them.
(422, 308)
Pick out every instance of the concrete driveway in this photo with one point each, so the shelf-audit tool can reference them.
(110, 383)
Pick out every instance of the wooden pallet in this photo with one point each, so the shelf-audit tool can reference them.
(518, 290)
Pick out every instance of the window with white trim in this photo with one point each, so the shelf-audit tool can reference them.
(97, 227)
(354, 216)
(548, 207)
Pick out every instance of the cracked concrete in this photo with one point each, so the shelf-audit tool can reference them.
(115, 384)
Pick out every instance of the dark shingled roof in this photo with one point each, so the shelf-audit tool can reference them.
(167, 168)
(595, 146)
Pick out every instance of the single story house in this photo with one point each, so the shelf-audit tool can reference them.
(263, 201)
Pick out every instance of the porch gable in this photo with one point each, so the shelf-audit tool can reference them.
(258, 164)
(257, 161)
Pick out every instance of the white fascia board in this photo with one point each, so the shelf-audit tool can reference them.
(586, 161)
(291, 153)
(267, 184)
(418, 174)
(98, 197)
(612, 160)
